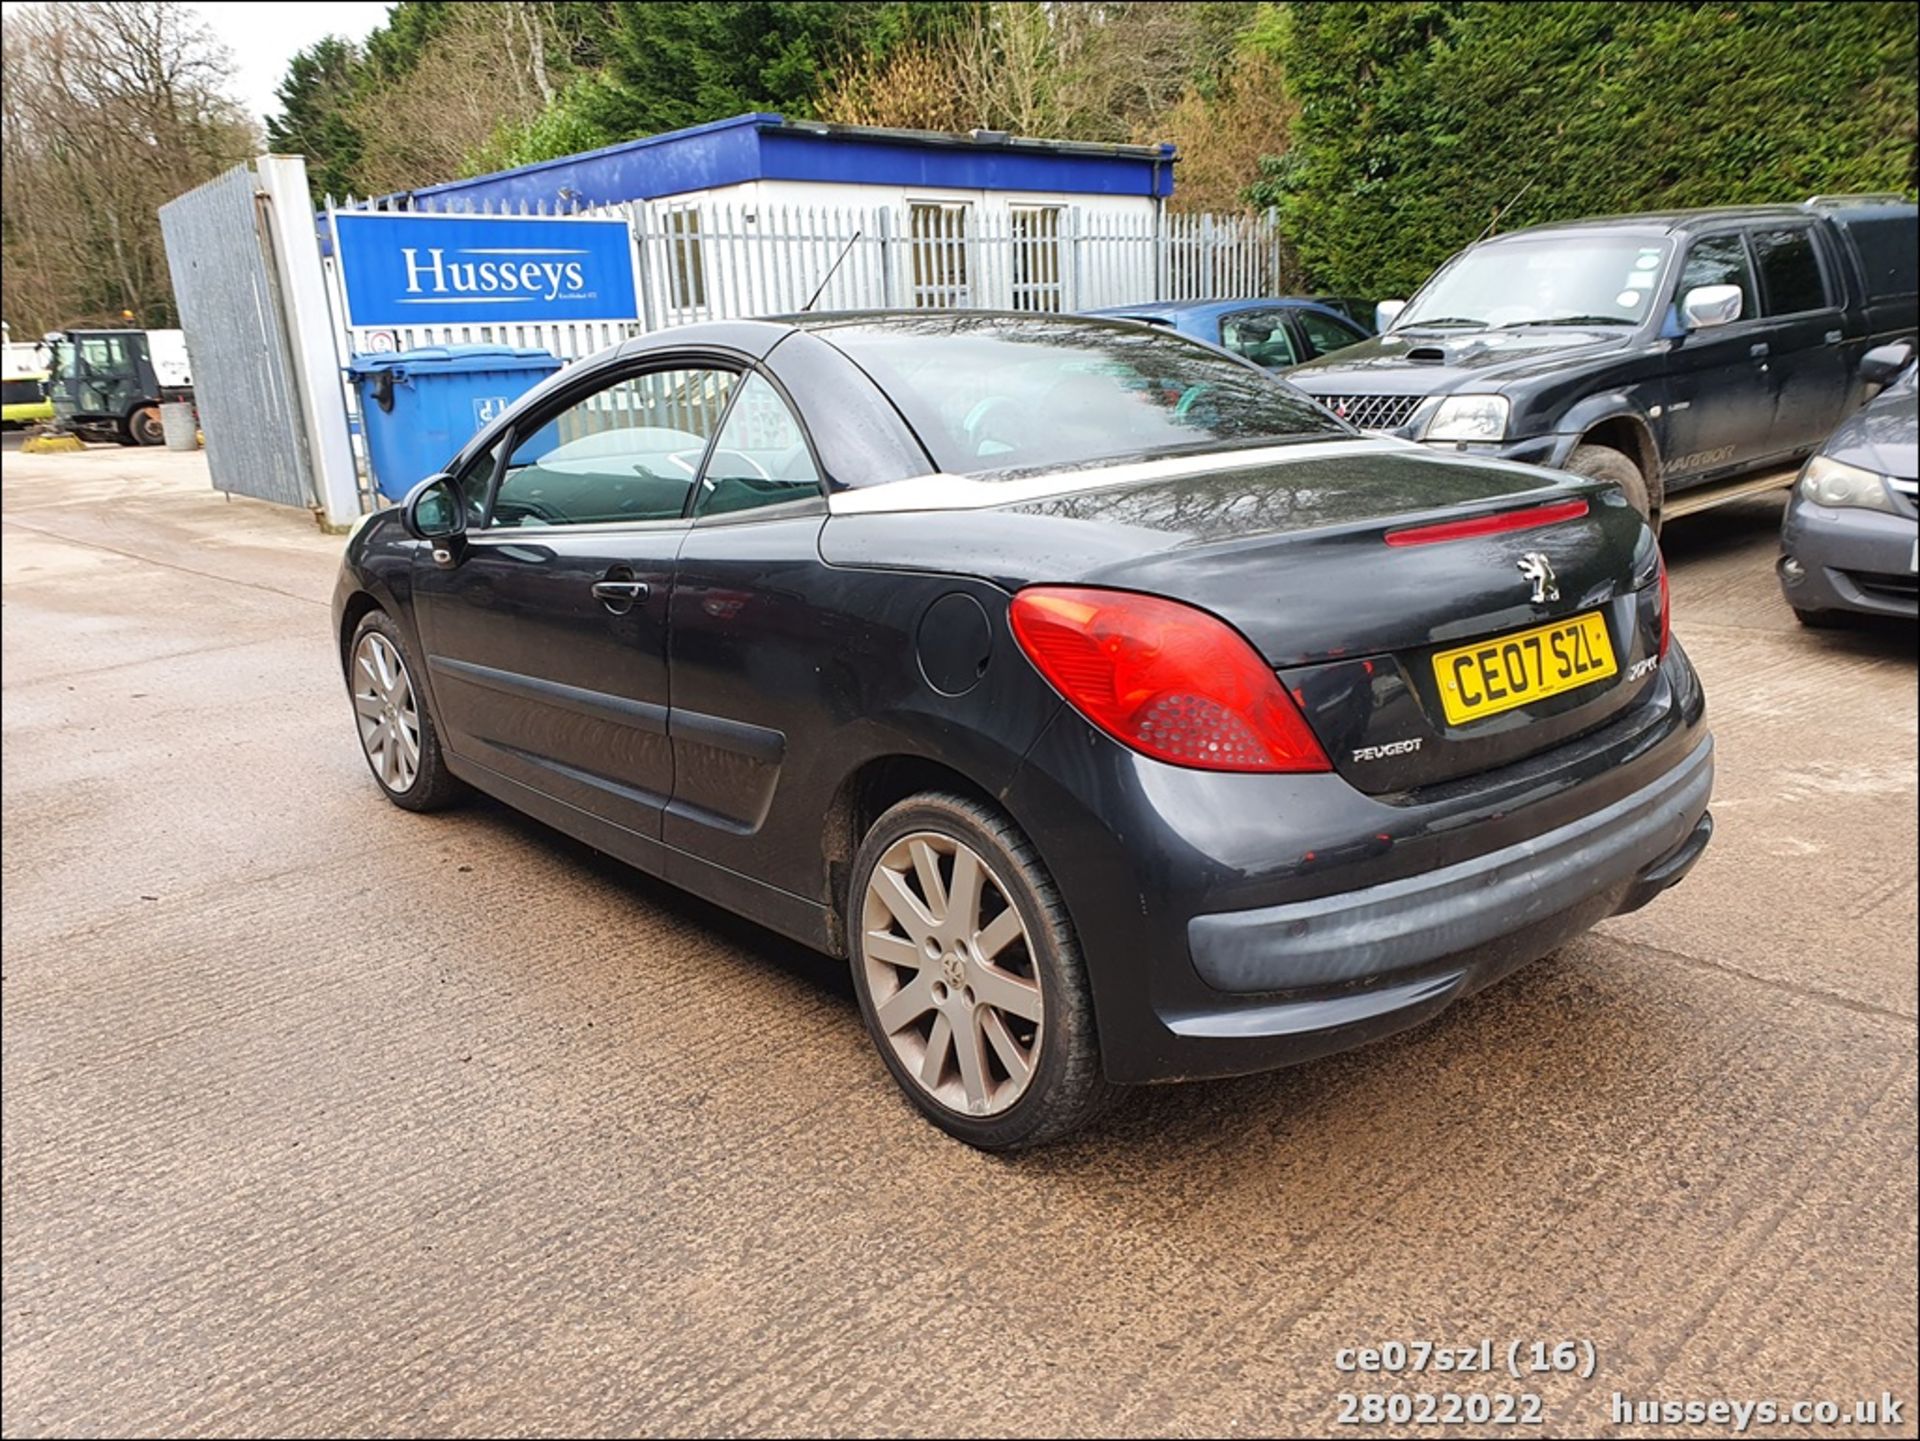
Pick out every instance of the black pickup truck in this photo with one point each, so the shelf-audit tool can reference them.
(1662, 352)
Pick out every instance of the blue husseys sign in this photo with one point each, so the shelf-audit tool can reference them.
(418, 269)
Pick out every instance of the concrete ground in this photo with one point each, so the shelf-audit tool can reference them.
(323, 1117)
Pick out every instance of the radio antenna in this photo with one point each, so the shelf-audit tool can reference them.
(844, 253)
(1501, 212)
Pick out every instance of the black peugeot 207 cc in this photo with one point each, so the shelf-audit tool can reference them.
(1121, 715)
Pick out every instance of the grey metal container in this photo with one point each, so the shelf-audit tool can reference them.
(180, 425)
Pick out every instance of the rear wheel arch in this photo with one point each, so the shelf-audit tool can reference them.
(866, 793)
(876, 786)
(1053, 1065)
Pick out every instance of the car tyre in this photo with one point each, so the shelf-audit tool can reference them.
(1603, 462)
(144, 427)
(396, 730)
(918, 952)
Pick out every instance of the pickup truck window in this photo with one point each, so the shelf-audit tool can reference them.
(1719, 260)
(1552, 280)
(1888, 261)
(1790, 271)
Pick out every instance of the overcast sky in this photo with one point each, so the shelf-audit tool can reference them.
(264, 37)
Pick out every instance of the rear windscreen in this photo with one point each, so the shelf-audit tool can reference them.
(996, 393)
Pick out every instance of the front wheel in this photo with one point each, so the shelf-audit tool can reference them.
(969, 976)
(396, 731)
(1603, 462)
(144, 427)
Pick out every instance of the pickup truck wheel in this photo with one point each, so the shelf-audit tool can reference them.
(1603, 462)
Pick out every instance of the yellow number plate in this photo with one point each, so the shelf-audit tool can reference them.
(1518, 669)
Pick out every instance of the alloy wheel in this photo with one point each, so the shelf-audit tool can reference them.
(950, 970)
(389, 717)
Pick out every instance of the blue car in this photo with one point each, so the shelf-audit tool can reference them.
(1276, 333)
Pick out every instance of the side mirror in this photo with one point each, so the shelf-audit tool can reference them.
(1709, 305)
(1881, 364)
(1386, 312)
(432, 510)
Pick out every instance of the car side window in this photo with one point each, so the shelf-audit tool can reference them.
(761, 457)
(1719, 260)
(626, 452)
(1260, 336)
(1324, 335)
(1790, 271)
(472, 481)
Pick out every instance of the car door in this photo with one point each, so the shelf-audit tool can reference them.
(749, 652)
(546, 628)
(1718, 411)
(1261, 336)
(1800, 297)
(1320, 334)
(105, 370)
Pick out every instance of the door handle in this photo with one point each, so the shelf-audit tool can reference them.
(1758, 350)
(619, 596)
(1832, 337)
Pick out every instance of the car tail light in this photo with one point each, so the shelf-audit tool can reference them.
(1666, 609)
(1500, 524)
(1165, 679)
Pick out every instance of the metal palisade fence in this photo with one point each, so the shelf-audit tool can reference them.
(713, 260)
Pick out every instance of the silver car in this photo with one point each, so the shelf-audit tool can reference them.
(1850, 542)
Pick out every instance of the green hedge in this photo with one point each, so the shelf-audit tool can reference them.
(1421, 122)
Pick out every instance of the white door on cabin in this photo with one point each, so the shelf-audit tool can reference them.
(939, 244)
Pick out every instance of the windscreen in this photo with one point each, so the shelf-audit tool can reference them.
(1554, 280)
(992, 393)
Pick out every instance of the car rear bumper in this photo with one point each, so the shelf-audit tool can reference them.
(1400, 926)
(1237, 923)
(1848, 559)
(1390, 957)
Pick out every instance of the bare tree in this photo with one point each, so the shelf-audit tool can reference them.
(1222, 136)
(488, 68)
(1088, 71)
(107, 111)
(914, 89)
(1009, 66)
